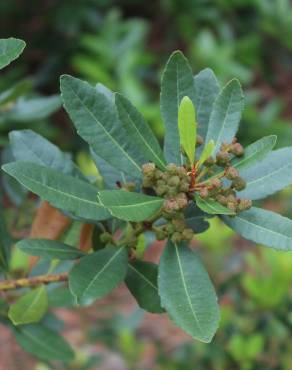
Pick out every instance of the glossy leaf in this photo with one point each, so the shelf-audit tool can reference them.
(49, 249)
(142, 282)
(29, 308)
(207, 152)
(212, 207)
(269, 175)
(97, 123)
(187, 293)
(98, 274)
(43, 342)
(187, 127)
(31, 147)
(196, 219)
(177, 82)
(5, 241)
(140, 131)
(263, 227)
(206, 91)
(10, 49)
(130, 206)
(225, 115)
(62, 191)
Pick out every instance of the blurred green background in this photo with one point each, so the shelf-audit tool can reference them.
(124, 45)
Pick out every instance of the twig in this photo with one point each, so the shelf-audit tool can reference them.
(29, 282)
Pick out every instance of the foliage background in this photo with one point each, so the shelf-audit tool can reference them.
(124, 45)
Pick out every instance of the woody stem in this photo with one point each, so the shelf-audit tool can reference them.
(33, 281)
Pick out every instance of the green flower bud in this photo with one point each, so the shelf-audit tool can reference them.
(244, 205)
(216, 183)
(204, 193)
(221, 199)
(222, 158)
(182, 200)
(209, 162)
(171, 168)
(188, 234)
(237, 149)
(106, 237)
(179, 225)
(148, 168)
(176, 237)
(160, 234)
(238, 184)
(184, 187)
(231, 206)
(170, 228)
(161, 190)
(173, 181)
(231, 173)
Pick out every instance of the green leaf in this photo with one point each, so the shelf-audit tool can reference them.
(187, 293)
(207, 152)
(31, 147)
(263, 227)
(177, 82)
(98, 124)
(14, 92)
(255, 152)
(130, 206)
(140, 131)
(142, 282)
(62, 191)
(206, 91)
(98, 273)
(212, 207)
(10, 49)
(29, 308)
(268, 176)
(195, 218)
(49, 249)
(225, 115)
(187, 127)
(5, 241)
(43, 342)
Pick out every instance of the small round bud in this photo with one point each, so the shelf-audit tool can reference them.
(161, 190)
(231, 173)
(148, 168)
(184, 187)
(172, 191)
(188, 234)
(158, 174)
(222, 158)
(209, 162)
(170, 228)
(176, 237)
(170, 205)
(221, 199)
(237, 149)
(204, 193)
(231, 206)
(171, 168)
(238, 184)
(182, 200)
(244, 205)
(106, 237)
(179, 225)
(199, 140)
(216, 183)
(173, 181)
(160, 234)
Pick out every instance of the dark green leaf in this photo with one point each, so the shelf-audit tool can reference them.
(130, 206)
(10, 49)
(98, 273)
(43, 343)
(98, 124)
(50, 249)
(177, 82)
(15, 91)
(29, 308)
(225, 115)
(269, 175)
(62, 191)
(5, 241)
(206, 91)
(187, 293)
(212, 207)
(142, 282)
(140, 131)
(263, 227)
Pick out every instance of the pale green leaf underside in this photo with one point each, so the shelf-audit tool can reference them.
(212, 207)
(10, 49)
(187, 293)
(140, 131)
(263, 227)
(225, 115)
(207, 152)
(49, 249)
(130, 206)
(97, 123)
(177, 82)
(62, 191)
(98, 273)
(43, 342)
(29, 308)
(268, 176)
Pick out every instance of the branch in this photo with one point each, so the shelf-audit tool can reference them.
(29, 282)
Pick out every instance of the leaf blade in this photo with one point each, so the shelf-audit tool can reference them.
(10, 49)
(130, 206)
(187, 292)
(212, 207)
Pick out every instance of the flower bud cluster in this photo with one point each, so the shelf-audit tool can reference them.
(214, 187)
(173, 185)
